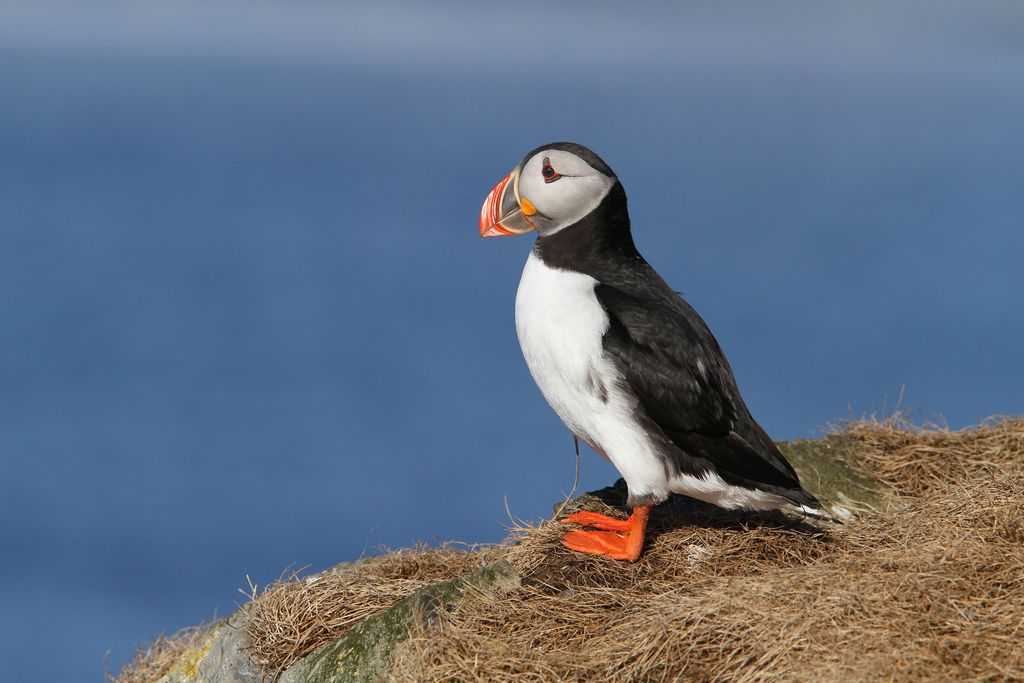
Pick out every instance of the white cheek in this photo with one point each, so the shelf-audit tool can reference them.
(568, 199)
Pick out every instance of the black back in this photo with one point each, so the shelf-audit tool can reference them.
(688, 399)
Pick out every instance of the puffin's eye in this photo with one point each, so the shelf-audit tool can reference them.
(548, 171)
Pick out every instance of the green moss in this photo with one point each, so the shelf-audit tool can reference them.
(826, 469)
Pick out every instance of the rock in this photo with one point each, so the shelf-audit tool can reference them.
(362, 654)
(221, 658)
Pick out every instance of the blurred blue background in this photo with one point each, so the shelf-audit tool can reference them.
(247, 322)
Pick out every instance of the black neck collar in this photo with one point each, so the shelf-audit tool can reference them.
(592, 243)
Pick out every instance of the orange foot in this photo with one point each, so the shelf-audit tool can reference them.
(619, 539)
(598, 521)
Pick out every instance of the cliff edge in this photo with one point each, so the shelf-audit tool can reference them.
(921, 577)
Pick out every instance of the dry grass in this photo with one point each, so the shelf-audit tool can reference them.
(916, 460)
(930, 589)
(157, 658)
(295, 616)
(934, 593)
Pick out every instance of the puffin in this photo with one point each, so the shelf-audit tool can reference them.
(624, 361)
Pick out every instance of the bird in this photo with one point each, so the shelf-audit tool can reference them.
(626, 363)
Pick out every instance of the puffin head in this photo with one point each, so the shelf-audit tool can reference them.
(553, 187)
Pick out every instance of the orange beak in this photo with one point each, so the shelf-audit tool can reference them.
(504, 212)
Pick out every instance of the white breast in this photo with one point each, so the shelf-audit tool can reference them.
(560, 324)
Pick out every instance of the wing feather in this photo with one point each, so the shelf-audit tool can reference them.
(681, 378)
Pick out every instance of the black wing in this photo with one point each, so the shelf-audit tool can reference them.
(685, 386)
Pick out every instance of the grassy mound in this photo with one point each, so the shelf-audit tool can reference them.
(925, 583)
(292, 618)
(932, 592)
